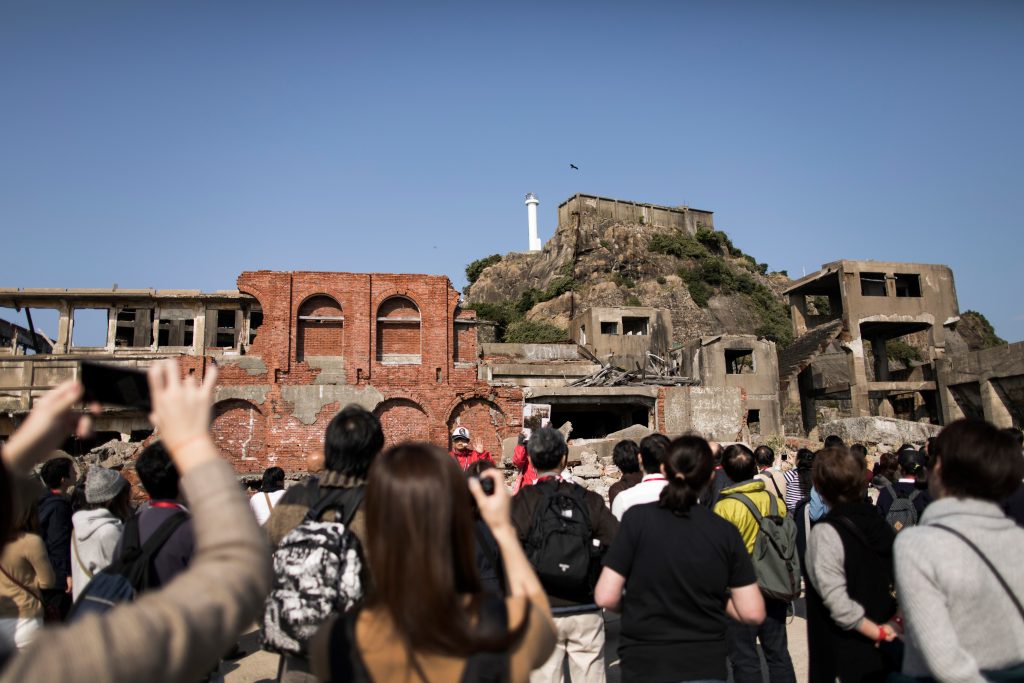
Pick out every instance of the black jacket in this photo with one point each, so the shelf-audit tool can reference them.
(55, 528)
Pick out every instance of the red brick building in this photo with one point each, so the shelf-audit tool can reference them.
(397, 344)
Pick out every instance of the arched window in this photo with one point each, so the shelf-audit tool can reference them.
(321, 328)
(398, 332)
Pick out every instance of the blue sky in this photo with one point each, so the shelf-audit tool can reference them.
(176, 144)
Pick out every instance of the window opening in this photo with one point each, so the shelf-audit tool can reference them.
(908, 285)
(134, 328)
(611, 328)
(872, 284)
(398, 332)
(255, 321)
(321, 327)
(175, 328)
(739, 361)
(635, 326)
(89, 329)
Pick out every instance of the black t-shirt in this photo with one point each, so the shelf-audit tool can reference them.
(678, 571)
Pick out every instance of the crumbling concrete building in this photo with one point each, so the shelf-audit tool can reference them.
(743, 361)
(623, 335)
(845, 315)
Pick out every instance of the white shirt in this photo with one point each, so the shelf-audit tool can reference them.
(647, 491)
(258, 503)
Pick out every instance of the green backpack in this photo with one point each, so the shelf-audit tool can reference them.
(775, 559)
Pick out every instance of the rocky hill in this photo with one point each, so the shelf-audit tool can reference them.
(709, 285)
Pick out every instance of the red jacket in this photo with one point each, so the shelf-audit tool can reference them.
(527, 473)
(471, 457)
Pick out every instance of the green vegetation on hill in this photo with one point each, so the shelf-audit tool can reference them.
(898, 350)
(709, 273)
(474, 269)
(530, 332)
(510, 315)
(981, 332)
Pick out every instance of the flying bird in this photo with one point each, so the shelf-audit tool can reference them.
(574, 167)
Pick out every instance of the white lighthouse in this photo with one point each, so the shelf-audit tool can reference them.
(531, 214)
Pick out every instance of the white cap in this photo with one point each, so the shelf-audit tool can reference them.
(460, 433)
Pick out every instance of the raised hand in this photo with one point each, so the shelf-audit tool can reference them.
(181, 413)
(51, 421)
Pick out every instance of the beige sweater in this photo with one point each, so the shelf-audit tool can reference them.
(180, 631)
(26, 560)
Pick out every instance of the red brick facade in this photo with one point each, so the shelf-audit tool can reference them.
(390, 342)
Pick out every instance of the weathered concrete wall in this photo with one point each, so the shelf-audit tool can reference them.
(713, 412)
(623, 349)
(682, 218)
(717, 362)
(987, 383)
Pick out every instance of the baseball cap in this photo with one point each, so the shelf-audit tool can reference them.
(460, 433)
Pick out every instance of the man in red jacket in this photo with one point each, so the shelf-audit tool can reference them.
(463, 454)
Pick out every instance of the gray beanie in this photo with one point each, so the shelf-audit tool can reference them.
(102, 484)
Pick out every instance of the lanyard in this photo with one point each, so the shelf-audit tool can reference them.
(165, 504)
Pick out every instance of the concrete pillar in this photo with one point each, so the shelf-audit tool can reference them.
(858, 378)
(993, 406)
(63, 341)
(881, 359)
(885, 408)
(798, 313)
(808, 414)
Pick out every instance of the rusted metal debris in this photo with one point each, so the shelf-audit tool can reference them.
(658, 372)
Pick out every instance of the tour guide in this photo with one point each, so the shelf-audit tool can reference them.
(461, 451)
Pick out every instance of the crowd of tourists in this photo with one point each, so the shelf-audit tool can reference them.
(411, 563)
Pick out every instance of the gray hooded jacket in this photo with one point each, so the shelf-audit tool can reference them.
(93, 541)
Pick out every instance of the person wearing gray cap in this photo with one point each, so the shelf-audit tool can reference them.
(97, 527)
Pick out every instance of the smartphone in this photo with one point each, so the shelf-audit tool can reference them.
(487, 484)
(116, 386)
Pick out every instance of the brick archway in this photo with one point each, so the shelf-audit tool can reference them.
(238, 430)
(485, 420)
(403, 419)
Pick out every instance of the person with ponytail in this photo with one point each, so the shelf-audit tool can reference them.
(678, 572)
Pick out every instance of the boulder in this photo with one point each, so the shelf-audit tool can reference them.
(587, 471)
(875, 430)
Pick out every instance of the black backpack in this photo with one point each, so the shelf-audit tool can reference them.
(560, 542)
(129, 574)
(902, 511)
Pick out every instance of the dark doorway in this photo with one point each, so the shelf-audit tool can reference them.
(598, 420)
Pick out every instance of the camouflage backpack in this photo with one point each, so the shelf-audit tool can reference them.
(317, 569)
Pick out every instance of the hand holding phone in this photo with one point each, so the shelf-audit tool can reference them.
(116, 386)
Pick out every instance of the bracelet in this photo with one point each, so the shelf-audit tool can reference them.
(881, 634)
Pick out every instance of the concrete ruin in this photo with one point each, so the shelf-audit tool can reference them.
(845, 317)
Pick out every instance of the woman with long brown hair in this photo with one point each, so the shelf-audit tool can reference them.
(426, 618)
(25, 572)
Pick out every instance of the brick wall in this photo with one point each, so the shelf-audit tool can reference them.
(320, 338)
(423, 401)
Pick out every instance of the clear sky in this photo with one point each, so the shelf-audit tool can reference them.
(176, 144)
